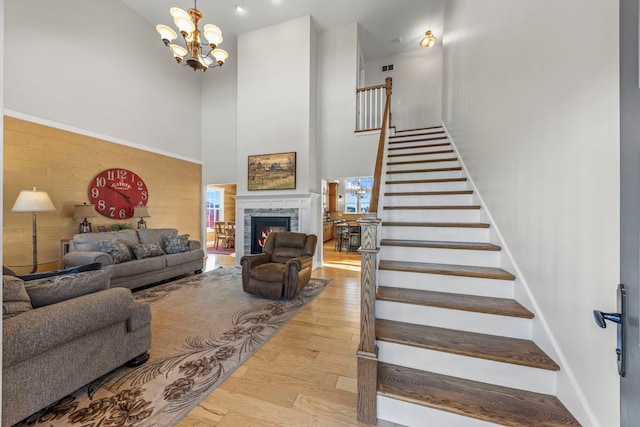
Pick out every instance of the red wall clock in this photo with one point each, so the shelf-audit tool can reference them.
(115, 192)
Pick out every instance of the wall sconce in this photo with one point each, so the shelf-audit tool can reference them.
(428, 40)
(143, 213)
(33, 201)
(84, 211)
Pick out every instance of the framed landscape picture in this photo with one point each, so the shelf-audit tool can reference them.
(272, 172)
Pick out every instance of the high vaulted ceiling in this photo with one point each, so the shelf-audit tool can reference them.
(387, 27)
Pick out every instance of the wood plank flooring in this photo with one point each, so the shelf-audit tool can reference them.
(306, 374)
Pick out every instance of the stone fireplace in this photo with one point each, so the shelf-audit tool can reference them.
(302, 211)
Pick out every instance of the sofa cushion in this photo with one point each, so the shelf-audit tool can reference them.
(154, 235)
(269, 272)
(89, 241)
(147, 250)
(118, 250)
(137, 266)
(55, 289)
(175, 244)
(15, 299)
(183, 257)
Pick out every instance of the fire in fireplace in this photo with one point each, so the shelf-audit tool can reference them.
(261, 226)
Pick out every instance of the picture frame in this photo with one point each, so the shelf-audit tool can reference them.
(102, 229)
(272, 172)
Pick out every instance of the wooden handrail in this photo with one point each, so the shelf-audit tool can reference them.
(362, 89)
(377, 174)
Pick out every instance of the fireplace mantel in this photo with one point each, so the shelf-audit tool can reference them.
(304, 210)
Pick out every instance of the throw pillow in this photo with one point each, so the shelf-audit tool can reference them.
(118, 250)
(146, 250)
(175, 244)
(15, 299)
(55, 289)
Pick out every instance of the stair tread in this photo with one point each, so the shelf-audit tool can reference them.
(475, 246)
(453, 168)
(428, 193)
(436, 224)
(413, 147)
(476, 304)
(423, 153)
(412, 162)
(487, 402)
(447, 269)
(426, 181)
(416, 134)
(416, 129)
(489, 347)
(434, 207)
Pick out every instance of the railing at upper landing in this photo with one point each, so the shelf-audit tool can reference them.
(370, 105)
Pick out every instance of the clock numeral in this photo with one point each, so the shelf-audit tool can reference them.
(102, 205)
(95, 193)
(133, 177)
(122, 174)
(123, 213)
(140, 185)
(111, 175)
(143, 195)
(101, 181)
(112, 211)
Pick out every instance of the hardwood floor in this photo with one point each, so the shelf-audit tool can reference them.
(306, 374)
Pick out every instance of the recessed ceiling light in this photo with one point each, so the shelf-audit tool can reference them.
(240, 8)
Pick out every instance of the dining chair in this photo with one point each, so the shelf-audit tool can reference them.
(221, 233)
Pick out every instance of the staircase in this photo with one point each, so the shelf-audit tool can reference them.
(454, 346)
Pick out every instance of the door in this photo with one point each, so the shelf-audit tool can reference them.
(630, 206)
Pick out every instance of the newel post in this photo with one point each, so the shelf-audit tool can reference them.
(367, 350)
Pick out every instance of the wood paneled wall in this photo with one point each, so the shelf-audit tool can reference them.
(230, 191)
(63, 164)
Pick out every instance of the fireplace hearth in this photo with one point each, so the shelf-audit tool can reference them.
(261, 226)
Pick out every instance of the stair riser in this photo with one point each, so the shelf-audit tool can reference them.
(429, 141)
(443, 283)
(454, 319)
(418, 156)
(426, 175)
(452, 234)
(441, 256)
(412, 415)
(472, 368)
(441, 200)
(433, 215)
(410, 166)
(425, 147)
(430, 186)
(403, 136)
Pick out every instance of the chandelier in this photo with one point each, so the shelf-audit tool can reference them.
(358, 190)
(187, 23)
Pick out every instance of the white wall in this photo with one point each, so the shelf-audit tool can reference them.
(342, 152)
(66, 62)
(531, 99)
(417, 86)
(274, 97)
(219, 124)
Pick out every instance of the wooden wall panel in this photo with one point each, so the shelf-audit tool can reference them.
(230, 191)
(63, 164)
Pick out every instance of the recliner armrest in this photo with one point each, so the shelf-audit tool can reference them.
(254, 260)
(300, 262)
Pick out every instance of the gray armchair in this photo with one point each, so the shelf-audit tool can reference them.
(284, 267)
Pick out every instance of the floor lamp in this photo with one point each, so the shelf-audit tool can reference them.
(33, 201)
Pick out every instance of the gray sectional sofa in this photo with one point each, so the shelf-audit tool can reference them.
(137, 257)
(60, 333)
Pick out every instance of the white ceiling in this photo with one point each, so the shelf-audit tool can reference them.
(387, 27)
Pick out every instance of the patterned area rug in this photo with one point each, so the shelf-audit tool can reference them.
(204, 327)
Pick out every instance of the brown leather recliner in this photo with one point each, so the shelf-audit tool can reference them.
(284, 267)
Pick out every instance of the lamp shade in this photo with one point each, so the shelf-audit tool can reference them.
(84, 211)
(33, 201)
(166, 33)
(141, 211)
